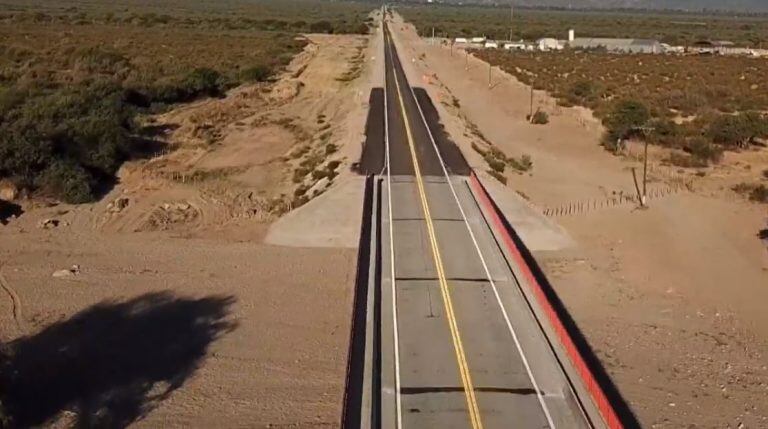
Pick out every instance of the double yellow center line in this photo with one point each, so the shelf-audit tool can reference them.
(469, 391)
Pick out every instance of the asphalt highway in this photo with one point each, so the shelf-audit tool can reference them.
(451, 341)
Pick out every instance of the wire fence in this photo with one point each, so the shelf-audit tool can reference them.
(590, 205)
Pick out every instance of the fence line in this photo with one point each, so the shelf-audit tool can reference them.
(585, 206)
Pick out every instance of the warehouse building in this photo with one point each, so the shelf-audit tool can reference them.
(633, 46)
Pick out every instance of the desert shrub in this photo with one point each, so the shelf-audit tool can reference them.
(624, 118)
(666, 133)
(65, 141)
(203, 82)
(685, 161)
(765, 174)
(333, 165)
(321, 27)
(319, 174)
(756, 193)
(97, 60)
(257, 73)
(539, 118)
(738, 130)
(498, 176)
(495, 163)
(523, 164)
(704, 151)
(67, 181)
(759, 194)
(299, 174)
(584, 92)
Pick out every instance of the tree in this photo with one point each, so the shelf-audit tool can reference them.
(624, 119)
(738, 130)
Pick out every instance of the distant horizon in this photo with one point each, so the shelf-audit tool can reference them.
(755, 7)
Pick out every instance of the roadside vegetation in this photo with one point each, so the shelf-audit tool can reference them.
(74, 77)
(698, 105)
(675, 28)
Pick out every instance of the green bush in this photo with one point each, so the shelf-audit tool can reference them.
(624, 118)
(666, 133)
(738, 130)
(67, 181)
(65, 141)
(203, 82)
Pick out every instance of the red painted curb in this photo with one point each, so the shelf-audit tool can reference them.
(598, 396)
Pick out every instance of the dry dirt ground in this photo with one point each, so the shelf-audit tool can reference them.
(161, 305)
(672, 298)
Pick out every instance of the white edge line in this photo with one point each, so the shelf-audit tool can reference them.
(396, 335)
(485, 266)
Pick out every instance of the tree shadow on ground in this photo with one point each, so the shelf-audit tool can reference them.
(8, 210)
(112, 363)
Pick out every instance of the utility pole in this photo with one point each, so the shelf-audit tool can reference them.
(490, 69)
(643, 200)
(644, 194)
(530, 117)
(466, 59)
(511, 18)
(433, 37)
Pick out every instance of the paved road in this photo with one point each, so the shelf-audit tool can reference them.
(451, 340)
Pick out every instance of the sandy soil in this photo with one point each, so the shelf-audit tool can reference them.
(672, 298)
(160, 305)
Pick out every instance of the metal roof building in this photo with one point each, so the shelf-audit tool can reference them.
(637, 46)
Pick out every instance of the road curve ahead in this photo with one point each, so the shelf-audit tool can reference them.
(449, 338)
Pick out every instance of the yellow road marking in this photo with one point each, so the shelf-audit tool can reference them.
(469, 391)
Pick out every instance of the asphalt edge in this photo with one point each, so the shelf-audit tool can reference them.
(613, 409)
(353, 387)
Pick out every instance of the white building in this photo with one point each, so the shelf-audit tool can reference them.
(491, 44)
(548, 44)
(629, 46)
(515, 46)
(461, 41)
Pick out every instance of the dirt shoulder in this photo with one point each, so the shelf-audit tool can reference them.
(670, 297)
(161, 305)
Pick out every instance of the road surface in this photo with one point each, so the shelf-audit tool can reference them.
(450, 339)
